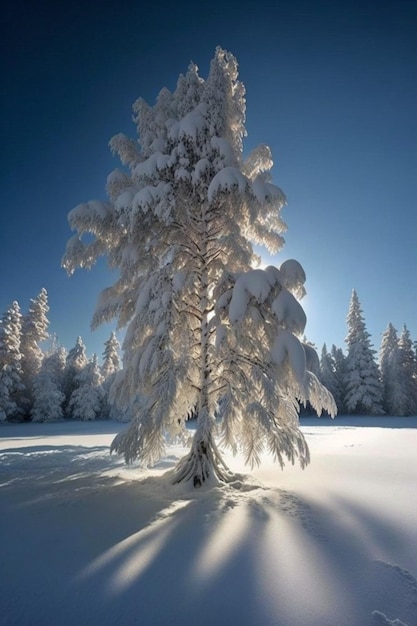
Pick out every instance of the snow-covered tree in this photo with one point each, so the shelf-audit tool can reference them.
(111, 358)
(109, 369)
(34, 330)
(390, 366)
(362, 378)
(75, 363)
(415, 360)
(59, 356)
(409, 381)
(10, 363)
(86, 401)
(398, 372)
(207, 334)
(326, 368)
(48, 396)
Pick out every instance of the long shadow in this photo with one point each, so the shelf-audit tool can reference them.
(94, 549)
(224, 554)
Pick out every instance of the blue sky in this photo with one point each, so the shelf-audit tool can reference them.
(331, 88)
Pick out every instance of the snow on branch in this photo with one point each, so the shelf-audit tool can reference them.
(228, 179)
(127, 149)
(287, 346)
(256, 283)
(290, 312)
(85, 216)
(259, 160)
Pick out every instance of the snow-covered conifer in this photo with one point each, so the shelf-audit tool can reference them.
(75, 362)
(86, 401)
(11, 384)
(407, 363)
(58, 356)
(326, 368)
(34, 330)
(111, 358)
(109, 369)
(390, 366)
(362, 378)
(48, 396)
(415, 359)
(206, 333)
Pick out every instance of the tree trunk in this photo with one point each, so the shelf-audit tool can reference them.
(203, 463)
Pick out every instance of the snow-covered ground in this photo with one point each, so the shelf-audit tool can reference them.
(88, 541)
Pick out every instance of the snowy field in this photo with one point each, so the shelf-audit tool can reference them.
(88, 541)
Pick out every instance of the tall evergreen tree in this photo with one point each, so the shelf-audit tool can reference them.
(11, 384)
(48, 395)
(207, 334)
(390, 365)
(409, 381)
(34, 330)
(362, 378)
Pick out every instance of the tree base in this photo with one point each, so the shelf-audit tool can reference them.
(201, 465)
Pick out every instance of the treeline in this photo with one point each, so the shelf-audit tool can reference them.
(55, 384)
(362, 385)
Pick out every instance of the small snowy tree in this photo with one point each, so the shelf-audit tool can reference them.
(111, 358)
(207, 334)
(362, 379)
(327, 369)
(86, 401)
(34, 330)
(10, 364)
(109, 369)
(75, 362)
(48, 396)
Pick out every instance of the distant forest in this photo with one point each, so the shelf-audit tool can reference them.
(45, 384)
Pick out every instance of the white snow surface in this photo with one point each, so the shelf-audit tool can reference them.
(89, 541)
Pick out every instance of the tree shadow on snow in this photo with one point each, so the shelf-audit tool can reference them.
(96, 548)
(250, 555)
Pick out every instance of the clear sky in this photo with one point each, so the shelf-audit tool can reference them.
(331, 88)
